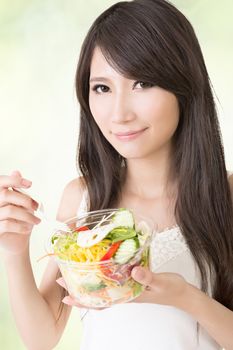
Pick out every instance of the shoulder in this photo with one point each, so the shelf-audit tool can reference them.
(70, 199)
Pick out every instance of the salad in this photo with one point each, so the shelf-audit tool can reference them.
(97, 255)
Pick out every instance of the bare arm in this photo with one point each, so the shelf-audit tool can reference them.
(35, 309)
(213, 316)
(33, 315)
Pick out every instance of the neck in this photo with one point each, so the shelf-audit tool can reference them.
(150, 177)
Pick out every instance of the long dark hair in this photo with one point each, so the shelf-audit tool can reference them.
(152, 41)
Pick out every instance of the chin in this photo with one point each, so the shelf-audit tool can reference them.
(131, 154)
(132, 151)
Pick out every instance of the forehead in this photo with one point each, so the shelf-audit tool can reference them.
(101, 69)
(99, 65)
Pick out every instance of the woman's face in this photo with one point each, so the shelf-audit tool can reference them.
(136, 118)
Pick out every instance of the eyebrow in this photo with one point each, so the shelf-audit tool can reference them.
(99, 79)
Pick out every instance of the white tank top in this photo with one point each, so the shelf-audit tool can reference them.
(140, 326)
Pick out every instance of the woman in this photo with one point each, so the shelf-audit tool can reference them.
(149, 140)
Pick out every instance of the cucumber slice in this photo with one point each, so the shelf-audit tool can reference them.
(137, 242)
(123, 217)
(126, 251)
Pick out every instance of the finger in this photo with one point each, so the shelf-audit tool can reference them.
(17, 213)
(15, 197)
(142, 275)
(16, 173)
(10, 226)
(68, 300)
(61, 282)
(13, 181)
(35, 203)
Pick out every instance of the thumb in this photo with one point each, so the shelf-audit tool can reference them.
(16, 174)
(142, 275)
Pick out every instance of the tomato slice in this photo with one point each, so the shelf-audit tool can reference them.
(108, 271)
(81, 228)
(112, 250)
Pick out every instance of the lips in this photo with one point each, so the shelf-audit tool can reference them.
(128, 135)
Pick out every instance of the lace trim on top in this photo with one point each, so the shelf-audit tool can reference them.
(166, 245)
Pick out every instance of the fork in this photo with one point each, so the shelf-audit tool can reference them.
(58, 225)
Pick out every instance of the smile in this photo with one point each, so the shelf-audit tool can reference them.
(129, 135)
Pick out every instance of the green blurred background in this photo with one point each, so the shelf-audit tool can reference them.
(39, 47)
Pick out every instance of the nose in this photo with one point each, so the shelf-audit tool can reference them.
(122, 109)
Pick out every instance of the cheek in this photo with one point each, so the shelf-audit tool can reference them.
(168, 121)
(165, 116)
(166, 129)
(98, 112)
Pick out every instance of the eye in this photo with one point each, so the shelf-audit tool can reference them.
(100, 88)
(143, 84)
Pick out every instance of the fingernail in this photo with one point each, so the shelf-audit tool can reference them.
(60, 282)
(38, 220)
(35, 205)
(26, 183)
(138, 273)
(66, 301)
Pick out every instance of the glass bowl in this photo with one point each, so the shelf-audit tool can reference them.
(104, 283)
